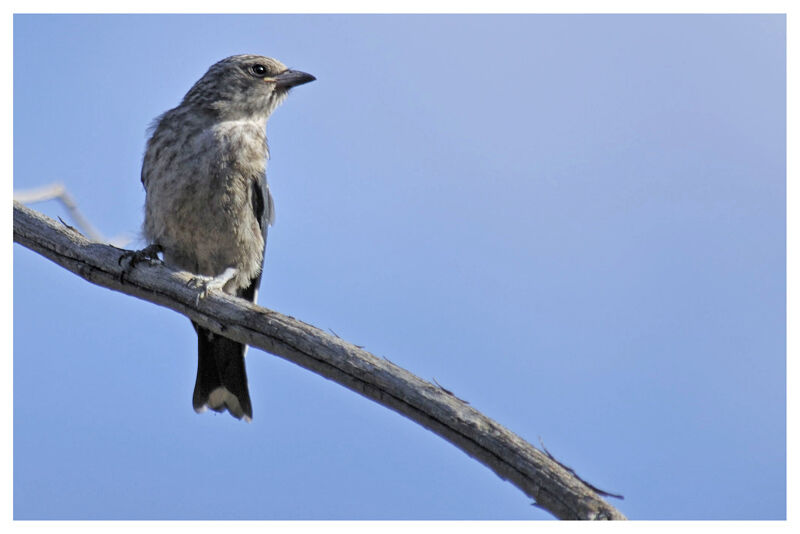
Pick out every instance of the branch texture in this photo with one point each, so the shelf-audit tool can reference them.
(552, 486)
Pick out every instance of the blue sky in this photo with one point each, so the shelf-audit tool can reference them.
(576, 223)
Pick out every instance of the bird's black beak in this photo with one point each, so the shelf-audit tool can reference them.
(291, 78)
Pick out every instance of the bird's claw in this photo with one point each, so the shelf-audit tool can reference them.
(204, 284)
(148, 253)
(209, 283)
(199, 282)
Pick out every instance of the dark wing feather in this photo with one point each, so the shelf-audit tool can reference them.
(264, 210)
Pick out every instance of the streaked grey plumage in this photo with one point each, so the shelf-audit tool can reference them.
(208, 205)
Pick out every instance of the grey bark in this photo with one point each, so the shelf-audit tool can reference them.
(552, 486)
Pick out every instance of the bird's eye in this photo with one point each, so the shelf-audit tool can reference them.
(259, 70)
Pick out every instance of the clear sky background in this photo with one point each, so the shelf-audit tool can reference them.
(575, 223)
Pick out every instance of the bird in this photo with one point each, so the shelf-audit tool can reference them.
(208, 206)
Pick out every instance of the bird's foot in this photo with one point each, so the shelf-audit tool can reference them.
(210, 283)
(148, 253)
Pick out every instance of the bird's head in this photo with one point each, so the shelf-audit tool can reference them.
(245, 86)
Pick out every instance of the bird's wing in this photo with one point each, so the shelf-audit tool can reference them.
(264, 211)
(263, 206)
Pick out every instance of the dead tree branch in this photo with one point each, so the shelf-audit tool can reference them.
(57, 191)
(553, 487)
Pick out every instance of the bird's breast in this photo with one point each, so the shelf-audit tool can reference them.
(241, 141)
(200, 206)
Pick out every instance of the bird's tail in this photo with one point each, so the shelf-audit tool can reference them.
(221, 378)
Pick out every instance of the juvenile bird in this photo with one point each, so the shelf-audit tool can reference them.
(208, 205)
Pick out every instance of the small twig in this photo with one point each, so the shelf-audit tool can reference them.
(68, 226)
(57, 191)
(448, 391)
(571, 470)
